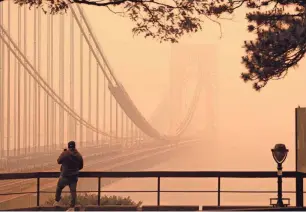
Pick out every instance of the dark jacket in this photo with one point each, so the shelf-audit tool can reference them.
(72, 162)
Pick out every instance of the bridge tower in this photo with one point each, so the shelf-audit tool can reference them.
(187, 61)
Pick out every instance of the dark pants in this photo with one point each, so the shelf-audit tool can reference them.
(70, 181)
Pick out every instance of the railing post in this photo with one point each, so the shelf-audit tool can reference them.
(219, 192)
(38, 192)
(158, 191)
(99, 191)
(299, 190)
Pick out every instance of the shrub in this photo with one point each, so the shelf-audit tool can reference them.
(92, 199)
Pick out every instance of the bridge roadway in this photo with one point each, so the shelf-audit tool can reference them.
(91, 156)
(135, 160)
(46, 157)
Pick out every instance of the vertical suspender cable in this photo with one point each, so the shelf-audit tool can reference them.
(8, 85)
(116, 117)
(29, 112)
(127, 129)
(61, 78)
(132, 132)
(97, 107)
(72, 121)
(122, 124)
(35, 85)
(110, 118)
(89, 137)
(29, 115)
(60, 73)
(52, 127)
(69, 117)
(47, 123)
(25, 119)
(104, 108)
(62, 32)
(15, 105)
(136, 135)
(1, 86)
(39, 70)
(19, 84)
(81, 87)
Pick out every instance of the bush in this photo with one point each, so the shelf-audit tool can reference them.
(92, 199)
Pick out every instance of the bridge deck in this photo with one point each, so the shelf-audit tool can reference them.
(47, 160)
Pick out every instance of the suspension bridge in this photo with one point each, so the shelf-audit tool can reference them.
(56, 85)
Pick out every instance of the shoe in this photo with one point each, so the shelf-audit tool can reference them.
(56, 204)
(70, 209)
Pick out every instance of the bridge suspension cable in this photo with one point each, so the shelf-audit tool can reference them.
(120, 89)
(42, 82)
(39, 119)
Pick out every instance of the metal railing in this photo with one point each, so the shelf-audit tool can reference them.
(165, 174)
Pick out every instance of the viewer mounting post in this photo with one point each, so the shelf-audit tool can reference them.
(158, 191)
(300, 119)
(299, 188)
(38, 192)
(279, 153)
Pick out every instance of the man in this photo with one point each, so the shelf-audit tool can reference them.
(71, 162)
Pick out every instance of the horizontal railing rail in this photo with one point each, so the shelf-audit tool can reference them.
(154, 174)
(165, 174)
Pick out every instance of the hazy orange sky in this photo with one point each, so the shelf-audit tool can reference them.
(253, 121)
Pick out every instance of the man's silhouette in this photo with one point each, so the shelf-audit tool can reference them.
(71, 162)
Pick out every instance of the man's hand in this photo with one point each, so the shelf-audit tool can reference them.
(62, 156)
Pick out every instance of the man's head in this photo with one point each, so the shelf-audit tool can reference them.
(71, 145)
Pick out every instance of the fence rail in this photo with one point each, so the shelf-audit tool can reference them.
(167, 174)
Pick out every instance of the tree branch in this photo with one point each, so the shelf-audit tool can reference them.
(280, 27)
